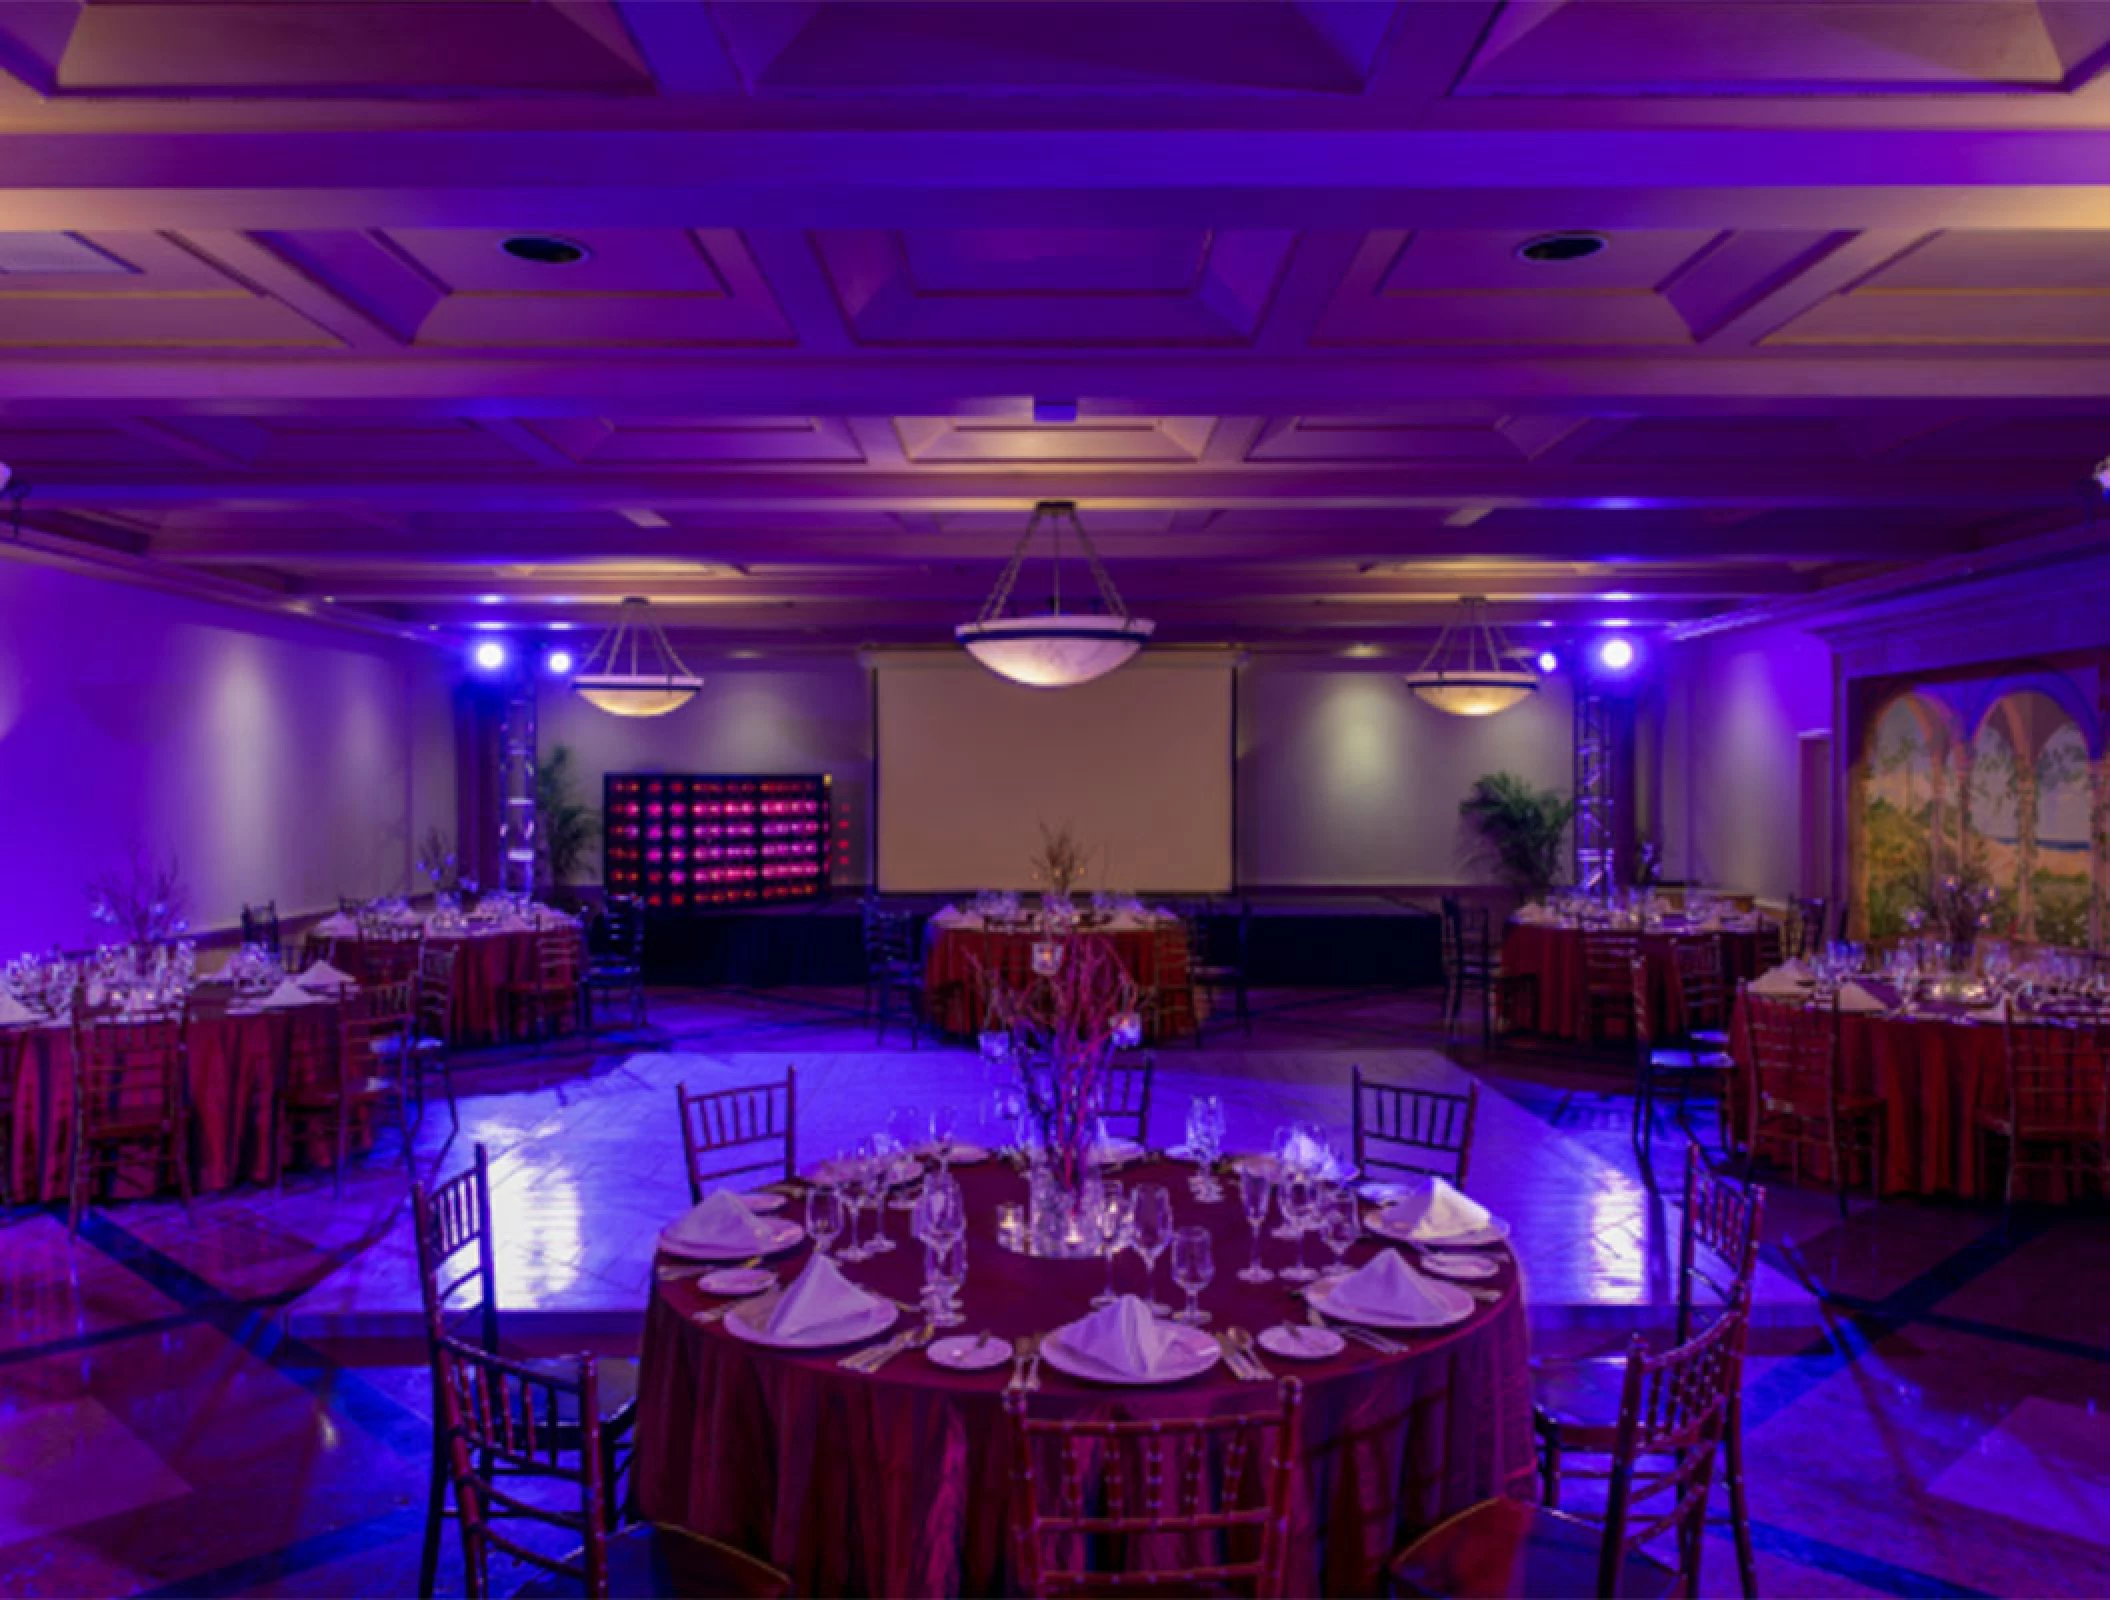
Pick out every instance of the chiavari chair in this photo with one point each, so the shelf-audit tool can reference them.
(502, 1427)
(739, 1132)
(894, 970)
(1086, 1491)
(1169, 1005)
(1681, 1060)
(1718, 1237)
(542, 1002)
(1771, 950)
(1470, 964)
(130, 1095)
(1675, 1406)
(387, 951)
(458, 1284)
(1216, 964)
(260, 926)
(1808, 925)
(616, 963)
(1796, 1096)
(2055, 1115)
(431, 1024)
(1398, 1128)
(1123, 1100)
(1608, 957)
(367, 1076)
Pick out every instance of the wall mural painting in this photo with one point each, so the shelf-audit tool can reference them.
(1999, 778)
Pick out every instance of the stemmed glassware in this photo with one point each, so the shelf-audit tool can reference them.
(847, 1182)
(1340, 1225)
(1151, 1231)
(1116, 1217)
(944, 1128)
(1205, 1137)
(1256, 1186)
(824, 1216)
(1298, 1198)
(940, 1221)
(1193, 1268)
(876, 1178)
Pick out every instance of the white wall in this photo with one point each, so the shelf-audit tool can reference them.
(275, 758)
(1345, 778)
(1736, 708)
(811, 717)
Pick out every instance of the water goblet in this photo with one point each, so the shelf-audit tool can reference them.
(1297, 1197)
(1117, 1212)
(1256, 1186)
(944, 1271)
(876, 1177)
(1151, 1230)
(846, 1177)
(1340, 1225)
(944, 1128)
(824, 1216)
(1193, 1269)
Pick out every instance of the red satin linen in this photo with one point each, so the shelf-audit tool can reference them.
(484, 964)
(898, 1483)
(960, 993)
(1554, 957)
(233, 1062)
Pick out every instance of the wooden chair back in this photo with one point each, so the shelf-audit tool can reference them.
(260, 926)
(557, 960)
(539, 1426)
(1640, 1021)
(1676, 1405)
(1770, 947)
(433, 1012)
(1469, 954)
(387, 951)
(1123, 1102)
(1399, 1128)
(129, 1078)
(1099, 1484)
(1703, 988)
(1608, 954)
(373, 1030)
(740, 1132)
(2058, 1084)
(451, 1225)
(1793, 1055)
(620, 931)
(1723, 1216)
(1808, 926)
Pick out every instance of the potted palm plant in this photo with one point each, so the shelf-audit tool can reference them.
(1521, 831)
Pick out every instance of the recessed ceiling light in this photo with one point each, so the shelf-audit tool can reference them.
(544, 249)
(1553, 247)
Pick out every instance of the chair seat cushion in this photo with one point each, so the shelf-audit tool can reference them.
(1503, 1548)
(652, 1559)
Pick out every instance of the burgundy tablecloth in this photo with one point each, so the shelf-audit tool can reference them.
(233, 1061)
(959, 962)
(898, 1483)
(1934, 1074)
(485, 963)
(1553, 957)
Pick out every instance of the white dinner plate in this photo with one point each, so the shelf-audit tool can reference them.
(873, 1321)
(1453, 1305)
(963, 1155)
(1301, 1342)
(1116, 1153)
(736, 1280)
(775, 1234)
(1494, 1232)
(1462, 1266)
(762, 1201)
(965, 1353)
(1191, 1353)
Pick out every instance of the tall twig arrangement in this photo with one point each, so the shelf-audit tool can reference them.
(146, 901)
(1061, 862)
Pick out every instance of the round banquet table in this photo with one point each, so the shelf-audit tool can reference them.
(899, 1482)
(1552, 955)
(233, 1057)
(959, 956)
(484, 964)
(1935, 1070)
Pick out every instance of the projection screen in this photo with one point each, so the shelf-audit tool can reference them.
(1138, 764)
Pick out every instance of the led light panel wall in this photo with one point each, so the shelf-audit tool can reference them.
(687, 842)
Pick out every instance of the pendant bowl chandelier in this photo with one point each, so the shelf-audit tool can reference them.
(1472, 671)
(1056, 649)
(632, 671)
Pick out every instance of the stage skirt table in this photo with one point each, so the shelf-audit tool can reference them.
(484, 965)
(234, 1058)
(1935, 1073)
(1552, 957)
(899, 1483)
(959, 959)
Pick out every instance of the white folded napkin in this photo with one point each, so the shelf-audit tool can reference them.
(1386, 1286)
(946, 915)
(13, 1013)
(324, 976)
(819, 1299)
(1432, 1209)
(337, 926)
(1124, 1337)
(722, 1222)
(1854, 1000)
(1996, 1012)
(1786, 980)
(288, 993)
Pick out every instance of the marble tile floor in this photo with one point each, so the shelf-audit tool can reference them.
(227, 1404)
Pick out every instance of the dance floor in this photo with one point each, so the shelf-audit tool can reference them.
(238, 1403)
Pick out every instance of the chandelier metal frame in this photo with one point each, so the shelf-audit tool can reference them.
(1054, 649)
(1489, 678)
(614, 679)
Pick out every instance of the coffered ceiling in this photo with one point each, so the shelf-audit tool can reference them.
(857, 283)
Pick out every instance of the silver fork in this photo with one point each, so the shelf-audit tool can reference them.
(1021, 1353)
(1245, 1342)
(874, 1357)
(1348, 1330)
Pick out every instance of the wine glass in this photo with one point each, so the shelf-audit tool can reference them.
(824, 1216)
(847, 1180)
(1298, 1198)
(1193, 1268)
(944, 1128)
(876, 1174)
(1340, 1225)
(1116, 1215)
(944, 1271)
(1205, 1131)
(1151, 1231)
(1256, 1186)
